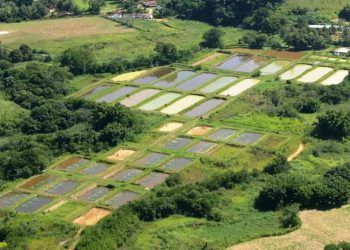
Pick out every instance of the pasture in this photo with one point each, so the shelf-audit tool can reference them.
(59, 29)
(107, 39)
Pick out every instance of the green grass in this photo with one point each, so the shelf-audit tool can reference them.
(9, 110)
(328, 8)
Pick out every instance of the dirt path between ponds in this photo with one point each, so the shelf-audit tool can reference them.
(318, 229)
(297, 152)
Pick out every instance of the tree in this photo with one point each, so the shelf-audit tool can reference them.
(277, 166)
(95, 6)
(333, 125)
(304, 39)
(345, 13)
(78, 60)
(254, 40)
(308, 105)
(166, 53)
(213, 38)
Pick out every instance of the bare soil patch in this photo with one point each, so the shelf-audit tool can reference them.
(92, 217)
(199, 130)
(170, 127)
(121, 155)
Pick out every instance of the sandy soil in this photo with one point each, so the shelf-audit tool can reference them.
(92, 217)
(170, 127)
(299, 150)
(318, 229)
(199, 131)
(128, 76)
(121, 155)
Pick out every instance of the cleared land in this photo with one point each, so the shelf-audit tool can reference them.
(92, 217)
(318, 229)
(60, 29)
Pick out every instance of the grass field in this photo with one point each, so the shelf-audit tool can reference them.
(328, 8)
(108, 39)
(59, 29)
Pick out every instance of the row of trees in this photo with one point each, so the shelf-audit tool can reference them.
(16, 11)
(82, 61)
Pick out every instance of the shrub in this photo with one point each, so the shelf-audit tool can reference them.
(277, 166)
(333, 125)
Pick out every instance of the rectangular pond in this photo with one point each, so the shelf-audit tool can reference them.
(274, 67)
(222, 134)
(111, 97)
(177, 143)
(152, 180)
(175, 78)
(336, 78)
(315, 74)
(159, 101)
(177, 164)
(96, 169)
(127, 174)
(95, 90)
(62, 187)
(94, 194)
(204, 108)
(240, 87)
(122, 198)
(247, 138)
(252, 65)
(152, 159)
(202, 147)
(11, 198)
(294, 72)
(196, 81)
(234, 61)
(218, 84)
(39, 182)
(182, 104)
(72, 164)
(137, 98)
(33, 204)
(154, 75)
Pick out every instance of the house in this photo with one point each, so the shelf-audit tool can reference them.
(342, 52)
(150, 4)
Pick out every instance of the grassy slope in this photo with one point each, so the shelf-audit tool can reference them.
(329, 8)
(9, 110)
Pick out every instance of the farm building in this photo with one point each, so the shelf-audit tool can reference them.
(342, 52)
